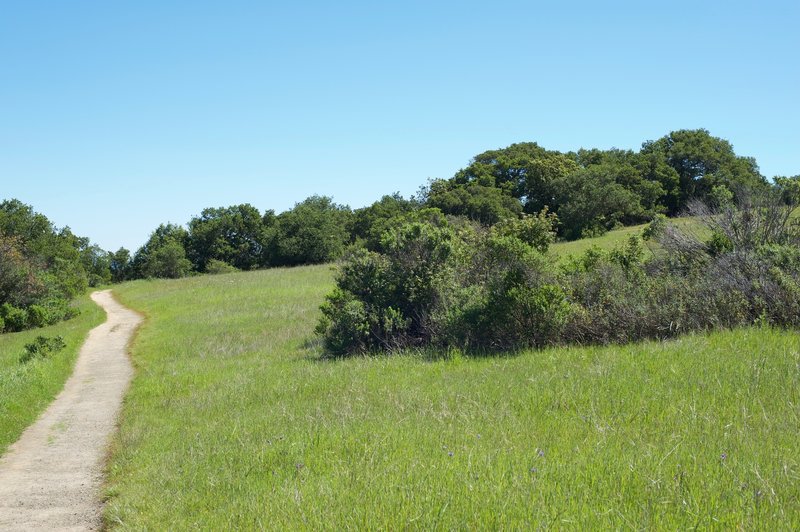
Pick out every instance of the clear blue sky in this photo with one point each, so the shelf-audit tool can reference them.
(117, 116)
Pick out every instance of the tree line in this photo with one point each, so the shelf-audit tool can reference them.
(42, 268)
(589, 192)
(583, 193)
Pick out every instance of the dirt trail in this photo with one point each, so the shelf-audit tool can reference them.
(51, 478)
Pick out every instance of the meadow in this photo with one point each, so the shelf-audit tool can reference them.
(234, 421)
(27, 388)
(618, 237)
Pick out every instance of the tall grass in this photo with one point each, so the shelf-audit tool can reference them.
(233, 421)
(26, 389)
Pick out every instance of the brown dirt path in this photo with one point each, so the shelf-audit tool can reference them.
(51, 478)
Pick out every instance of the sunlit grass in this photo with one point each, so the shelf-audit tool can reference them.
(233, 421)
(619, 237)
(26, 389)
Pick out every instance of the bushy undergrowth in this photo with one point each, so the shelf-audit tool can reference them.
(42, 347)
(478, 289)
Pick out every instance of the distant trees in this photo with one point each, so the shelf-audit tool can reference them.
(316, 230)
(120, 265)
(41, 268)
(514, 191)
(164, 254)
(235, 235)
(701, 162)
(594, 190)
(369, 223)
(789, 188)
(485, 204)
(239, 237)
(582, 193)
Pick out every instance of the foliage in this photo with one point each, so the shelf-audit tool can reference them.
(789, 188)
(655, 228)
(96, 262)
(589, 192)
(386, 300)
(120, 265)
(485, 204)
(42, 347)
(314, 231)
(702, 162)
(42, 268)
(215, 266)
(164, 254)
(167, 260)
(235, 235)
(537, 231)
(369, 223)
(592, 201)
(595, 190)
(496, 289)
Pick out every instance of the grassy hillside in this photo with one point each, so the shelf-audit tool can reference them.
(619, 237)
(232, 421)
(26, 389)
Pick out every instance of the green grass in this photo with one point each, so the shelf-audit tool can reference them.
(620, 237)
(26, 389)
(232, 421)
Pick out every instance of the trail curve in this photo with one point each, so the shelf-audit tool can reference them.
(51, 478)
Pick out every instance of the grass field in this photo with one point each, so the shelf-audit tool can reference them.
(233, 421)
(26, 389)
(619, 237)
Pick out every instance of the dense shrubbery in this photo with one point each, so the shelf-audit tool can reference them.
(42, 268)
(475, 288)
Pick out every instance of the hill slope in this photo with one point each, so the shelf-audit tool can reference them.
(233, 422)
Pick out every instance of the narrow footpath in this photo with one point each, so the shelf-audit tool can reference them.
(51, 478)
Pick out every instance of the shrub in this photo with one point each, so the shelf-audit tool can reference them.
(538, 231)
(215, 267)
(655, 229)
(16, 319)
(42, 347)
(473, 288)
(387, 300)
(38, 316)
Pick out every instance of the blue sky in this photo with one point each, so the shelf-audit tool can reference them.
(117, 116)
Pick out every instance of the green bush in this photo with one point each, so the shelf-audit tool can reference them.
(38, 316)
(473, 288)
(386, 301)
(538, 231)
(16, 319)
(655, 228)
(42, 347)
(215, 267)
